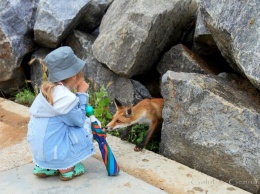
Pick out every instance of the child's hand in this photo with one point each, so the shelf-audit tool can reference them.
(82, 86)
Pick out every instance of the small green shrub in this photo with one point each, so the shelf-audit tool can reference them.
(25, 97)
(100, 102)
(137, 134)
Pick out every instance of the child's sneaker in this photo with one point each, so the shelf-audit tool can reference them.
(40, 172)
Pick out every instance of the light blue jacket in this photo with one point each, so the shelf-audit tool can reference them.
(58, 139)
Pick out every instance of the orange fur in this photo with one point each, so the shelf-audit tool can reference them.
(147, 111)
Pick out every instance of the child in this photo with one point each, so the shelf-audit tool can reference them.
(56, 134)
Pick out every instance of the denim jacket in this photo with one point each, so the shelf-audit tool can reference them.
(56, 134)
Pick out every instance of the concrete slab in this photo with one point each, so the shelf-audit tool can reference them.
(15, 155)
(164, 173)
(20, 180)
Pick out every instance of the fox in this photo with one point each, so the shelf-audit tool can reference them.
(147, 111)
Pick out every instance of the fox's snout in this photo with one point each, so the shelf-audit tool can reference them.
(108, 128)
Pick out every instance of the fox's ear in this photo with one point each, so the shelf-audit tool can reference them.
(128, 112)
(117, 103)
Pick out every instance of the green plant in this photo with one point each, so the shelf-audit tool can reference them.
(25, 97)
(100, 102)
(137, 134)
(115, 133)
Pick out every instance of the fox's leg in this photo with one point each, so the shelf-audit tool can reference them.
(148, 136)
(125, 133)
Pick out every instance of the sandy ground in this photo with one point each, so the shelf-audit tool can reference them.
(13, 128)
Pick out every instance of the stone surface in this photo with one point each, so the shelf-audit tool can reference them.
(181, 59)
(205, 46)
(133, 34)
(93, 16)
(203, 40)
(234, 26)
(95, 180)
(16, 40)
(98, 75)
(212, 125)
(56, 19)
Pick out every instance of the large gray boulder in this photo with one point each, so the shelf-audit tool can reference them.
(16, 23)
(56, 20)
(234, 26)
(95, 11)
(133, 34)
(213, 125)
(126, 90)
(181, 59)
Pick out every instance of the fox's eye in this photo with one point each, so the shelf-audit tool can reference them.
(118, 121)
